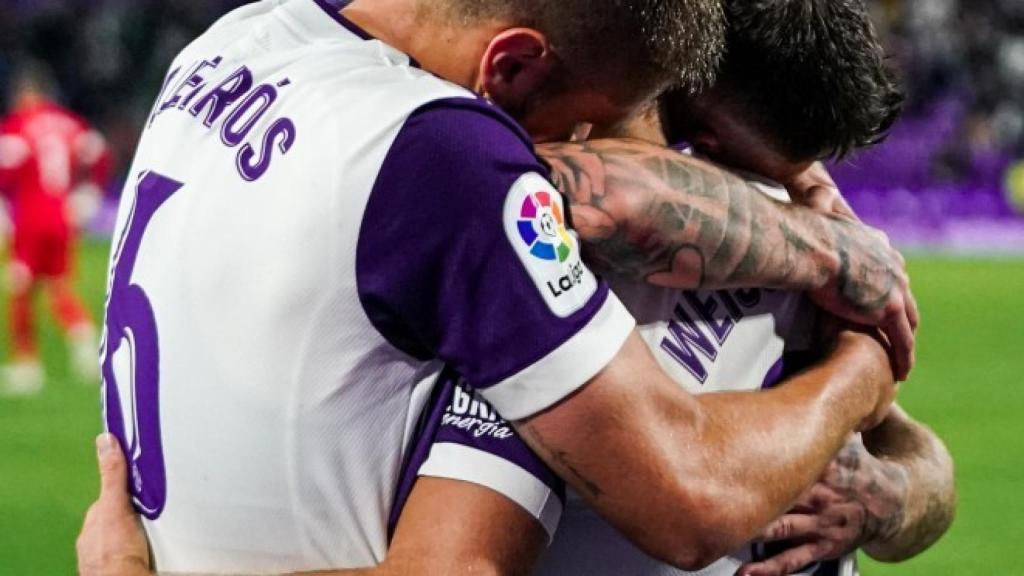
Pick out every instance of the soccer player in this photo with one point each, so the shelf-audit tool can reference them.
(903, 500)
(318, 223)
(51, 162)
(896, 504)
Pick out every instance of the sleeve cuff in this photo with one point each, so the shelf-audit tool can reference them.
(566, 369)
(458, 462)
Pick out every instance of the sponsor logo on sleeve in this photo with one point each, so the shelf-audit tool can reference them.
(535, 224)
(472, 414)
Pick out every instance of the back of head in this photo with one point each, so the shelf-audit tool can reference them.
(646, 43)
(810, 74)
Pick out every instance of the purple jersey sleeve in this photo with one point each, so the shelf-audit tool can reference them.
(462, 437)
(466, 255)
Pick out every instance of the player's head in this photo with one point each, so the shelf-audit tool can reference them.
(32, 81)
(553, 63)
(802, 80)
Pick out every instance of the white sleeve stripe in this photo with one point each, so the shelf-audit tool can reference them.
(569, 367)
(459, 462)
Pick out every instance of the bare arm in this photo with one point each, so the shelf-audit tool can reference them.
(911, 448)
(459, 528)
(690, 478)
(652, 214)
(453, 527)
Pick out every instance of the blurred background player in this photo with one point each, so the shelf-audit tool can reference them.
(52, 169)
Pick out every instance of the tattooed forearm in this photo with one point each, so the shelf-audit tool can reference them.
(649, 213)
(879, 489)
(930, 505)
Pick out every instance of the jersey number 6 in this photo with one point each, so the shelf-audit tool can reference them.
(131, 356)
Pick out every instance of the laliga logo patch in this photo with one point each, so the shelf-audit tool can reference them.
(535, 224)
(542, 228)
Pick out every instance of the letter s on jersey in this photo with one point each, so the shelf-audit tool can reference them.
(282, 134)
(535, 222)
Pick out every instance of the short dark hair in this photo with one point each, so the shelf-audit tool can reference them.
(810, 73)
(652, 43)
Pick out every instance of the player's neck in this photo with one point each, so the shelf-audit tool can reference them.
(453, 54)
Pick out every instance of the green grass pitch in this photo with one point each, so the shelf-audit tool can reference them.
(967, 386)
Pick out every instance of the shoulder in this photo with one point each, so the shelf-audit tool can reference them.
(460, 155)
(453, 157)
(466, 133)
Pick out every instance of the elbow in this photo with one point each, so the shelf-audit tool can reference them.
(687, 552)
(706, 533)
(931, 517)
(916, 539)
(697, 552)
(696, 559)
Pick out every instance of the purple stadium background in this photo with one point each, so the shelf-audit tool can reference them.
(904, 187)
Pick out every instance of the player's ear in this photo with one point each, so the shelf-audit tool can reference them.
(515, 66)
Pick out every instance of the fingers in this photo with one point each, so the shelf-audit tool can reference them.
(905, 323)
(902, 320)
(898, 330)
(111, 540)
(816, 497)
(819, 496)
(913, 312)
(812, 526)
(113, 473)
(788, 562)
(908, 297)
(791, 527)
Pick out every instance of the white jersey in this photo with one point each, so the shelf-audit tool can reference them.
(312, 228)
(707, 341)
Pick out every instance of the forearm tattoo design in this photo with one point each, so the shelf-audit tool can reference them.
(654, 214)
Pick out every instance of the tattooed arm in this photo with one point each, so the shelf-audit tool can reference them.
(891, 493)
(650, 213)
(930, 504)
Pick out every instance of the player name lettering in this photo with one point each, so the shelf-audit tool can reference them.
(566, 283)
(236, 105)
(695, 348)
